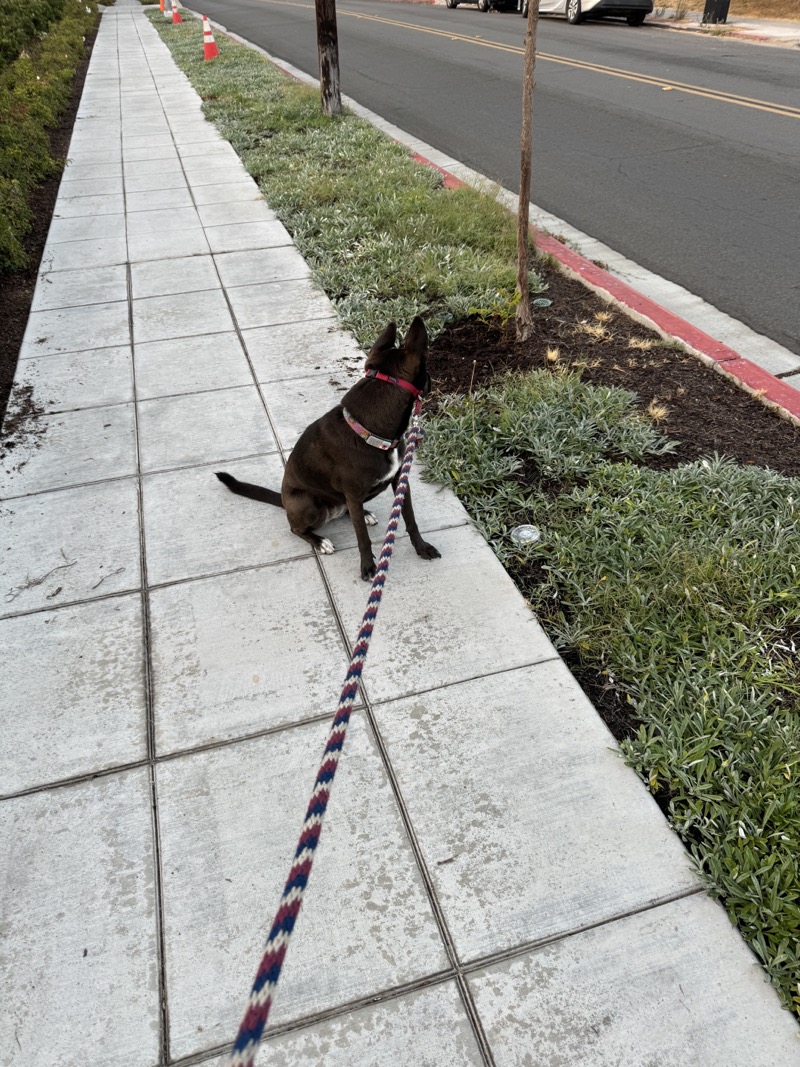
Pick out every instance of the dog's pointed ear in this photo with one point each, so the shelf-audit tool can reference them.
(386, 340)
(416, 342)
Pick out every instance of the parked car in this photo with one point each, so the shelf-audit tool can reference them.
(633, 11)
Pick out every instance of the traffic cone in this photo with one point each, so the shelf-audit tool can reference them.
(210, 50)
(176, 15)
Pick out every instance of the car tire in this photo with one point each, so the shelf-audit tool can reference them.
(483, 5)
(636, 18)
(524, 9)
(574, 14)
(451, 3)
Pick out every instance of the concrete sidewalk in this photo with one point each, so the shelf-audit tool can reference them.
(494, 885)
(764, 31)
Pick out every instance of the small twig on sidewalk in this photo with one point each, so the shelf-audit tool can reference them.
(31, 583)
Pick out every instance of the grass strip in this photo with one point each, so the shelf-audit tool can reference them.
(34, 90)
(678, 585)
(681, 588)
(383, 237)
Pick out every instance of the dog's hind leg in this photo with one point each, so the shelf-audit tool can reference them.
(322, 544)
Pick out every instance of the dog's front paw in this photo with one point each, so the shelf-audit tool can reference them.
(368, 571)
(370, 519)
(326, 547)
(426, 551)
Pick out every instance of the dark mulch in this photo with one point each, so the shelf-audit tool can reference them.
(16, 289)
(694, 405)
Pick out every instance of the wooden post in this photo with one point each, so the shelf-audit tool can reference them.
(328, 47)
(524, 319)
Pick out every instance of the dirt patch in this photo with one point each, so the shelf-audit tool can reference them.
(691, 403)
(17, 288)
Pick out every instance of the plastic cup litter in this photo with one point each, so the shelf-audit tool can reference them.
(525, 535)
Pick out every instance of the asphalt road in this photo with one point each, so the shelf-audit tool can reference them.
(681, 153)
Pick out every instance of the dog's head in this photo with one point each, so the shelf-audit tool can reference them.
(406, 362)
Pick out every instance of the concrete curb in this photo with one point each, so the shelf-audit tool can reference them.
(747, 375)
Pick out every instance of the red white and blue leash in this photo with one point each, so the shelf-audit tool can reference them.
(263, 992)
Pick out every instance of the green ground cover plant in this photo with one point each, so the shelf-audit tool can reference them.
(39, 54)
(382, 235)
(680, 586)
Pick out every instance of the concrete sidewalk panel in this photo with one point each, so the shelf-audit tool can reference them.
(194, 526)
(151, 198)
(216, 149)
(425, 1029)
(74, 380)
(72, 255)
(171, 244)
(139, 155)
(73, 329)
(153, 183)
(259, 265)
(82, 206)
(296, 402)
(243, 652)
(200, 172)
(274, 303)
(530, 823)
(190, 365)
(441, 619)
(73, 190)
(105, 165)
(672, 987)
(81, 979)
(156, 318)
(239, 236)
(74, 544)
(300, 349)
(75, 288)
(166, 277)
(72, 448)
(238, 212)
(152, 169)
(243, 188)
(229, 824)
(203, 428)
(91, 228)
(162, 220)
(68, 673)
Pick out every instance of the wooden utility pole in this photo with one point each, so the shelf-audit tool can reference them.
(524, 319)
(328, 47)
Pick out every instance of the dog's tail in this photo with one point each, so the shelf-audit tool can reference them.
(255, 492)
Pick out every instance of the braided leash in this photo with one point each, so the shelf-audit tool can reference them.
(266, 981)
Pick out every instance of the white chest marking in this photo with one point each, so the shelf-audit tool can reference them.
(394, 467)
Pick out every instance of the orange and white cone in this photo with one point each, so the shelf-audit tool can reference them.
(176, 15)
(210, 50)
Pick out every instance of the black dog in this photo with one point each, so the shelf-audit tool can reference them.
(338, 464)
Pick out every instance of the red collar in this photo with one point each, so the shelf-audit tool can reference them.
(401, 383)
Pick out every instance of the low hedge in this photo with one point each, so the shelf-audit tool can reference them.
(21, 22)
(34, 90)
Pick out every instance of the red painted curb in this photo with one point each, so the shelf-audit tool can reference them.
(746, 374)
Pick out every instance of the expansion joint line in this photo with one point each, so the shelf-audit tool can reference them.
(262, 993)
